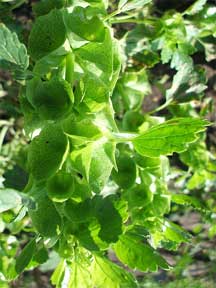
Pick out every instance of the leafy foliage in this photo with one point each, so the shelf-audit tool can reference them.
(97, 165)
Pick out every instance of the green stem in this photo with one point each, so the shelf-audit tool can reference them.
(69, 76)
(123, 137)
(166, 104)
(114, 13)
(129, 19)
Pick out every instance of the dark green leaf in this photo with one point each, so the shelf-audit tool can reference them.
(45, 217)
(46, 152)
(48, 34)
(25, 256)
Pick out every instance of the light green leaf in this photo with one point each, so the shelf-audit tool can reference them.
(79, 275)
(98, 54)
(131, 88)
(58, 275)
(73, 275)
(13, 54)
(79, 23)
(195, 7)
(9, 199)
(138, 255)
(172, 136)
(127, 5)
(106, 274)
(188, 84)
(187, 200)
(25, 256)
(95, 162)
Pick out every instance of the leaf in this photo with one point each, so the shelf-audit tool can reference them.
(48, 33)
(75, 128)
(52, 99)
(95, 162)
(195, 7)
(109, 219)
(106, 274)
(46, 152)
(13, 54)
(98, 54)
(61, 186)
(138, 255)
(73, 275)
(187, 200)
(188, 84)
(79, 212)
(126, 175)
(169, 235)
(172, 136)
(25, 256)
(9, 199)
(79, 22)
(15, 178)
(131, 88)
(100, 65)
(58, 275)
(45, 6)
(45, 217)
(127, 5)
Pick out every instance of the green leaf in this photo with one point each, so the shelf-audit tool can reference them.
(41, 255)
(138, 255)
(61, 186)
(47, 151)
(52, 99)
(95, 162)
(13, 54)
(139, 196)
(58, 275)
(132, 120)
(132, 88)
(79, 212)
(187, 200)
(79, 22)
(195, 7)
(25, 256)
(75, 274)
(169, 235)
(109, 219)
(106, 274)
(47, 34)
(175, 233)
(188, 84)
(45, 217)
(75, 128)
(127, 5)
(126, 175)
(9, 199)
(45, 6)
(172, 136)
